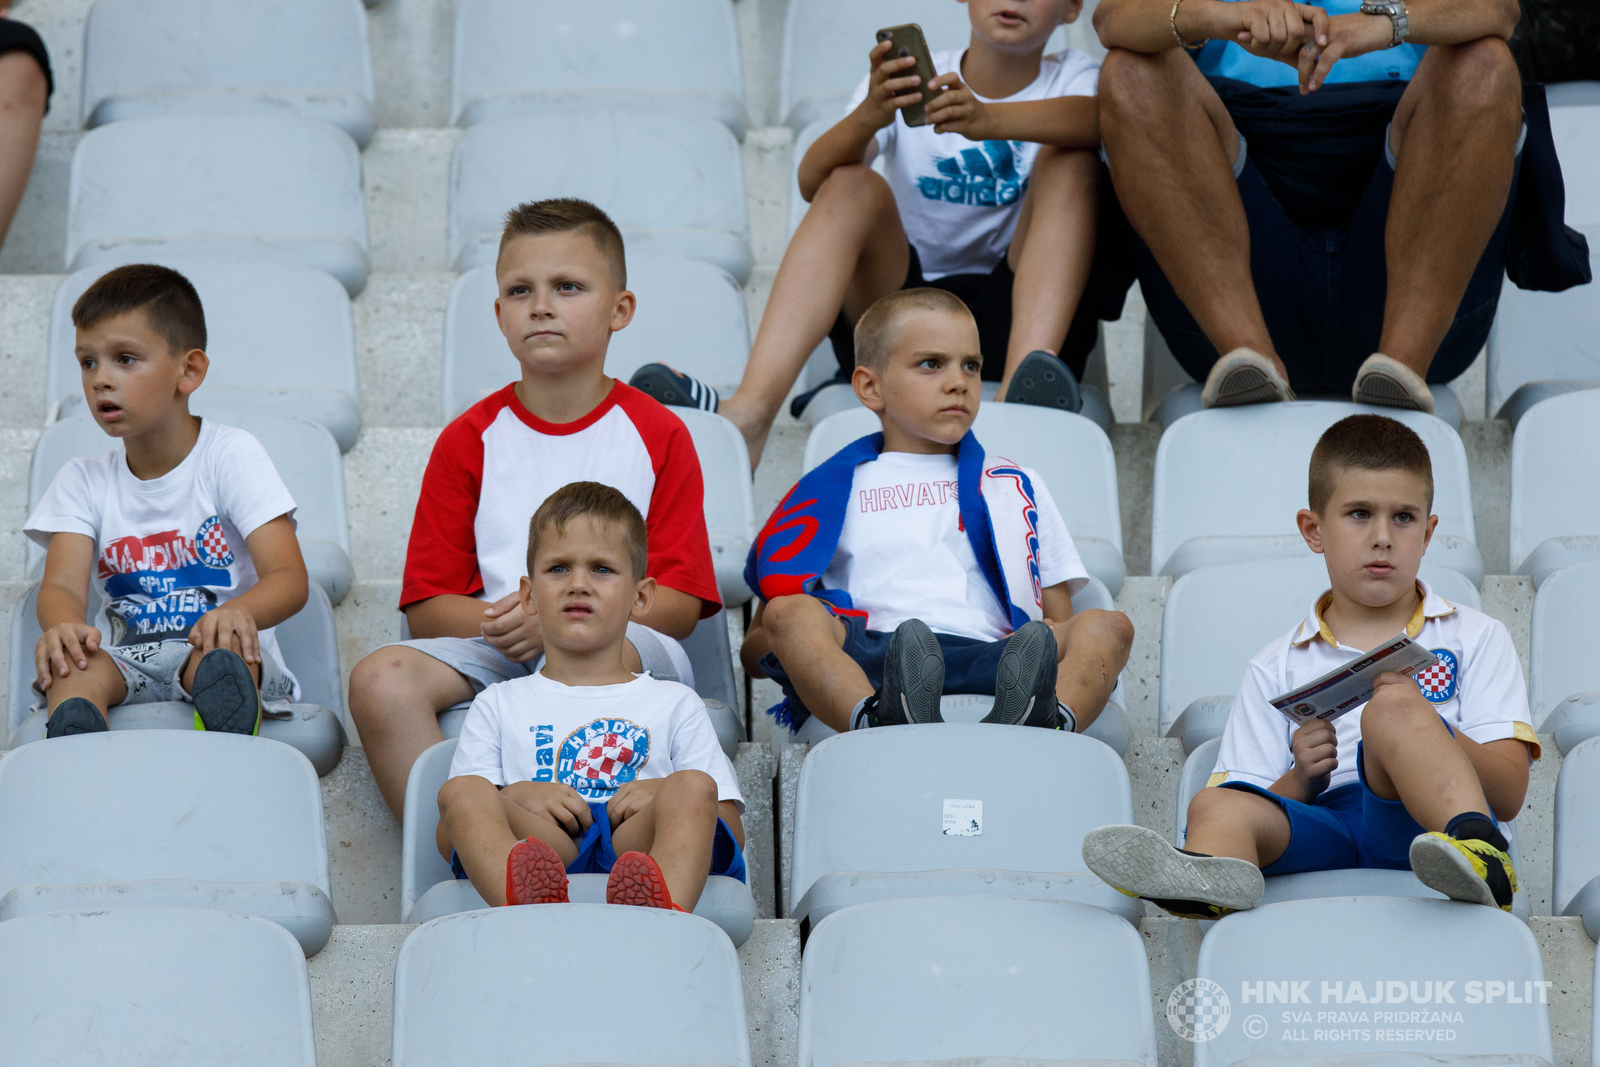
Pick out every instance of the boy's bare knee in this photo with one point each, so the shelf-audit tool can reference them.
(854, 184)
(22, 83)
(787, 616)
(456, 793)
(1395, 709)
(1209, 804)
(691, 786)
(1113, 628)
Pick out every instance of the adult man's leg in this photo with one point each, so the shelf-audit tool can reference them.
(396, 694)
(24, 92)
(1454, 139)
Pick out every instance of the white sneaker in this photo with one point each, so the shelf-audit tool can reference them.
(1391, 384)
(1244, 376)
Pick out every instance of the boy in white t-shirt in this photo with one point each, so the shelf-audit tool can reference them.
(186, 531)
(994, 199)
(910, 564)
(562, 770)
(1415, 778)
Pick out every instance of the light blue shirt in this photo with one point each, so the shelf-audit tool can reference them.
(1226, 59)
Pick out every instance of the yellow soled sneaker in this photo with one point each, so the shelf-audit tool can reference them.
(1138, 861)
(1465, 868)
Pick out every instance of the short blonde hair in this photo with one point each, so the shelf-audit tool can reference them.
(875, 332)
(601, 503)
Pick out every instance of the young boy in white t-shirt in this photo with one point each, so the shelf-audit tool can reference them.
(186, 531)
(586, 766)
(994, 199)
(1415, 778)
(910, 564)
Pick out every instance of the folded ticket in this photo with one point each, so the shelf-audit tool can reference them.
(1350, 686)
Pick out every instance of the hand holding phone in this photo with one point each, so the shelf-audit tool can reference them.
(905, 43)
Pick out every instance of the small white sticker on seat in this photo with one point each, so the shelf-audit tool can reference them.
(963, 818)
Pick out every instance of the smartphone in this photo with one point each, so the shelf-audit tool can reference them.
(908, 41)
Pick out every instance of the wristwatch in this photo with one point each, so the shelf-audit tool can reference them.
(1396, 11)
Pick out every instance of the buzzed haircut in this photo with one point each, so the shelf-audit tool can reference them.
(1368, 443)
(564, 215)
(168, 301)
(876, 328)
(601, 503)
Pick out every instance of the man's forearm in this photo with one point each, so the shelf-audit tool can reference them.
(1064, 121)
(1145, 25)
(1459, 21)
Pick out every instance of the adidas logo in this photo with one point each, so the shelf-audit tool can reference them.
(986, 177)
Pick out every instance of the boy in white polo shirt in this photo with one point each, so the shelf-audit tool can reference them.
(1416, 777)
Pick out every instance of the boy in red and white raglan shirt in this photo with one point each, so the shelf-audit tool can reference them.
(562, 283)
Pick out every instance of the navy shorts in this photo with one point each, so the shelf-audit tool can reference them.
(596, 856)
(1350, 826)
(969, 664)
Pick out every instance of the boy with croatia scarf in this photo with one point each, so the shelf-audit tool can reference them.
(911, 564)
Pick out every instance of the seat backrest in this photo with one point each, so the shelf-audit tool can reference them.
(1025, 981)
(1576, 130)
(1555, 438)
(252, 342)
(1217, 618)
(1410, 947)
(1561, 644)
(690, 314)
(1541, 336)
(681, 57)
(1577, 846)
(150, 47)
(729, 496)
(907, 778)
(1069, 452)
(1241, 472)
(670, 182)
(421, 866)
(154, 985)
(461, 978)
(159, 804)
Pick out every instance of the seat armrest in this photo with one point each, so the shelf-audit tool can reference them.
(1202, 720)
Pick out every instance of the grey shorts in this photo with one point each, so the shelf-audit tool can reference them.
(483, 665)
(153, 673)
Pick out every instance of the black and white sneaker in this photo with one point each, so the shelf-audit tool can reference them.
(913, 676)
(75, 715)
(673, 388)
(225, 696)
(1044, 381)
(1137, 861)
(1025, 680)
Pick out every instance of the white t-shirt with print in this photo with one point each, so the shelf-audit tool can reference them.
(959, 200)
(903, 553)
(1477, 687)
(595, 738)
(170, 549)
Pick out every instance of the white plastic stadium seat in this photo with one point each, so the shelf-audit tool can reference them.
(195, 820)
(1216, 618)
(1229, 481)
(305, 454)
(1577, 848)
(230, 57)
(1071, 454)
(499, 987)
(690, 314)
(975, 980)
(1368, 882)
(1554, 522)
(310, 650)
(302, 363)
(729, 498)
(634, 55)
(673, 185)
(921, 784)
(271, 187)
(429, 890)
(173, 986)
(1576, 130)
(1543, 344)
(1564, 672)
(1498, 1005)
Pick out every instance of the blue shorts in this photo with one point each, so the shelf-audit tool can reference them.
(969, 664)
(1349, 826)
(596, 856)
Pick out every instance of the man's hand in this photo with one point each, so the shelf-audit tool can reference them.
(956, 109)
(1316, 754)
(1348, 35)
(230, 628)
(560, 802)
(62, 647)
(631, 799)
(894, 85)
(1273, 29)
(510, 630)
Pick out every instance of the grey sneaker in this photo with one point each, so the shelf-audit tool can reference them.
(75, 715)
(913, 677)
(1044, 381)
(1391, 384)
(1025, 680)
(1244, 376)
(1138, 861)
(225, 697)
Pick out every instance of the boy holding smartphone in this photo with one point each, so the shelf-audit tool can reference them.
(993, 200)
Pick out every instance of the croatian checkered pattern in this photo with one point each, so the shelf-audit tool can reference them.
(1198, 1009)
(604, 757)
(1435, 679)
(212, 544)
